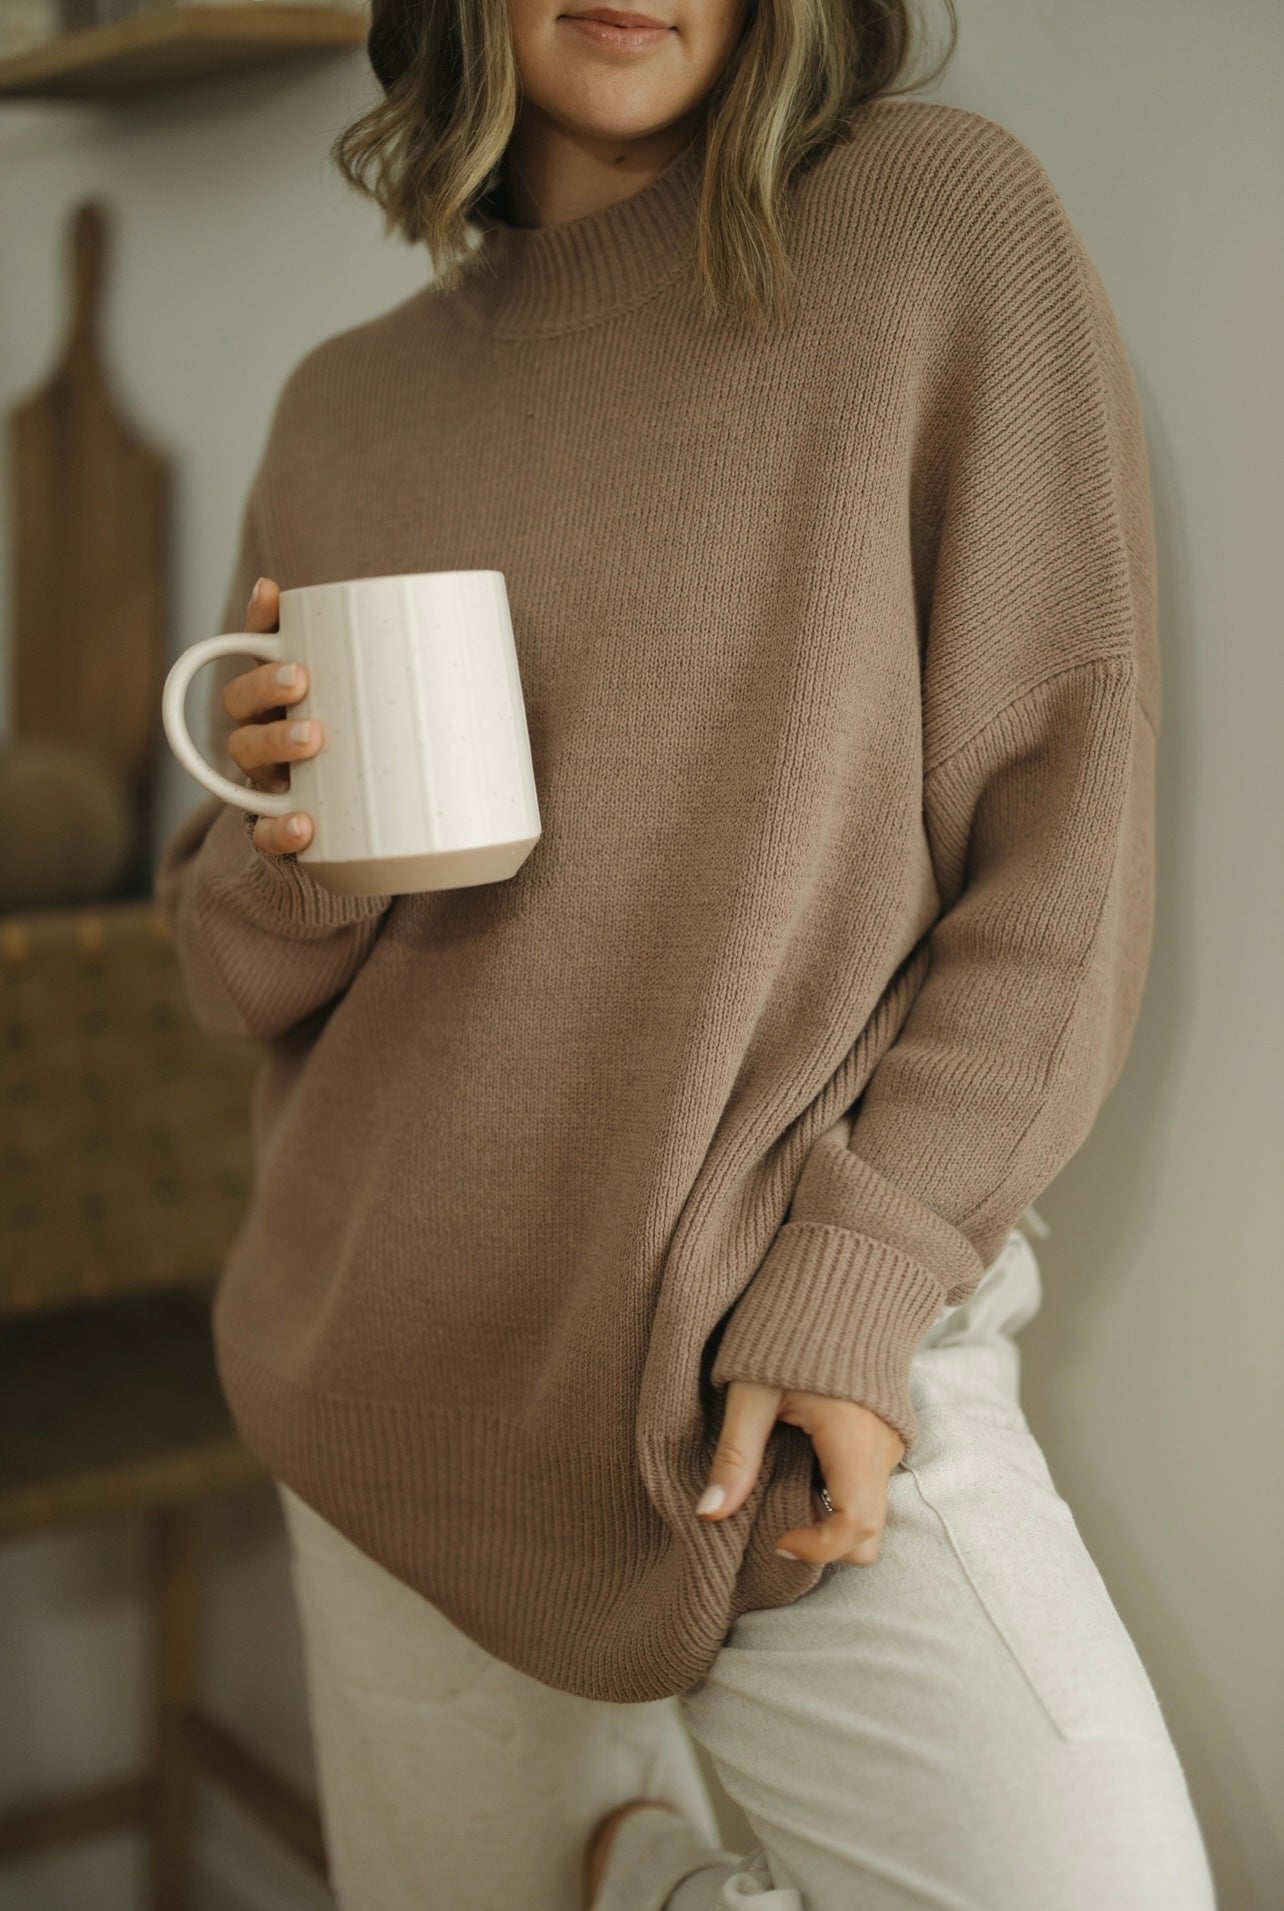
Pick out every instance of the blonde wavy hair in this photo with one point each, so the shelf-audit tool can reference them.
(429, 152)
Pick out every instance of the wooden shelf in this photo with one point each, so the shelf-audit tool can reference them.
(176, 45)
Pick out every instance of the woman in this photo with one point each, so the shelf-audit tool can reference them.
(628, 1298)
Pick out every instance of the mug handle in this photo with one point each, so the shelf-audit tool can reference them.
(267, 647)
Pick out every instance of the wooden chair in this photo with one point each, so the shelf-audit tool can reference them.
(124, 1171)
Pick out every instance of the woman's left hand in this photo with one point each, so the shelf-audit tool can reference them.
(857, 1450)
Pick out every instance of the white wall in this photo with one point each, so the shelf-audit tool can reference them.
(1149, 1374)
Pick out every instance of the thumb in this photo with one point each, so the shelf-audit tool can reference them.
(750, 1414)
(264, 608)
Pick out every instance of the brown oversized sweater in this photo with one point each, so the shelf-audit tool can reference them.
(839, 655)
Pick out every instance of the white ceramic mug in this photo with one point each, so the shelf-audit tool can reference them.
(423, 779)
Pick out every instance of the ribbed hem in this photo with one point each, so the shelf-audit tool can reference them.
(836, 1313)
(585, 1569)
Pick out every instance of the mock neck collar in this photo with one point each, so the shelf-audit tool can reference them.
(543, 279)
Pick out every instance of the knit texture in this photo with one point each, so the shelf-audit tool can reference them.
(838, 648)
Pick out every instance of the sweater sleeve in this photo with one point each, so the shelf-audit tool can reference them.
(1040, 689)
(261, 943)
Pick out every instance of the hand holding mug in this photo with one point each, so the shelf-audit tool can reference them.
(266, 742)
(413, 771)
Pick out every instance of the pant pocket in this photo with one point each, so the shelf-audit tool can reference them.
(1020, 1551)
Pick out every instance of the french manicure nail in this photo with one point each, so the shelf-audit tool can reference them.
(711, 1499)
(254, 594)
(786, 1554)
(296, 826)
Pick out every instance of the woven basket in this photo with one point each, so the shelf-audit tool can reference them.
(125, 1154)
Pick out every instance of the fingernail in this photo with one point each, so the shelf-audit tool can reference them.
(786, 1554)
(286, 674)
(300, 732)
(296, 826)
(711, 1499)
(255, 592)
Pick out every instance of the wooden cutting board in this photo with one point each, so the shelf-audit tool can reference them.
(91, 540)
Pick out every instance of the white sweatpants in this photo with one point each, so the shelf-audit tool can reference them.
(964, 1724)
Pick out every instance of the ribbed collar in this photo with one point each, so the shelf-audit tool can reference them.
(543, 279)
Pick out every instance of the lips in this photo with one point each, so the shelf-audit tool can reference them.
(617, 32)
(611, 18)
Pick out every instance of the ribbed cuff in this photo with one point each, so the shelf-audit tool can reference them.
(837, 1313)
(849, 1286)
(283, 894)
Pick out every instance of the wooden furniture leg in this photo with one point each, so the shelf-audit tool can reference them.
(114, 1408)
(174, 1680)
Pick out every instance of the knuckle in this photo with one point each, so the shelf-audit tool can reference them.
(237, 696)
(729, 1454)
(859, 1534)
(255, 752)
